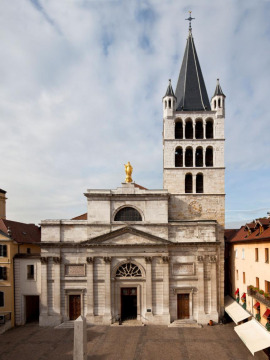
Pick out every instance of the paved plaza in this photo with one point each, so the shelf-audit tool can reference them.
(127, 343)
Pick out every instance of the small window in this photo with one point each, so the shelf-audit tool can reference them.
(219, 103)
(237, 276)
(3, 273)
(165, 104)
(243, 253)
(1, 298)
(128, 214)
(257, 282)
(170, 103)
(267, 286)
(244, 277)
(266, 254)
(256, 254)
(236, 253)
(3, 250)
(28, 250)
(30, 272)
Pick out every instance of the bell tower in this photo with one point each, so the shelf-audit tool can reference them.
(193, 144)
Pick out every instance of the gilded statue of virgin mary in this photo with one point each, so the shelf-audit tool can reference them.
(128, 170)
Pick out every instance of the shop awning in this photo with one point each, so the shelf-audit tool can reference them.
(257, 305)
(243, 296)
(235, 311)
(253, 335)
(266, 314)
(236, 291)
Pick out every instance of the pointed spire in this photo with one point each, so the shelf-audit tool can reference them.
(169, 91)
(190, 90)
(218, 90)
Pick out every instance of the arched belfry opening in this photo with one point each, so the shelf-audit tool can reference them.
(209, 156)
(209, 132)
(199, 129)
(189, 157)
(199, 157)
(199, 183)
(178, 129)
(178, 157)
(188, 184)
(189, 129)
(128, 214)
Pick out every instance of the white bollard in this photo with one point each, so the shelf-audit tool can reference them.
(80, 341)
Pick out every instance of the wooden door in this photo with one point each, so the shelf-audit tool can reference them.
(183, 306)
(74, 306)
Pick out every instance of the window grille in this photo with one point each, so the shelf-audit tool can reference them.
(128, 214)
(128, 270)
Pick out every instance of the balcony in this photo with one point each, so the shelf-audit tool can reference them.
(260, 295)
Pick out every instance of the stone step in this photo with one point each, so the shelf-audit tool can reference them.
(66, 325)
(129, 323)
(185, 323)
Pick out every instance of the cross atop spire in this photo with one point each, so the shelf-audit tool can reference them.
(190, 19)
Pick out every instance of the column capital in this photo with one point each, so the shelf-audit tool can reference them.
(165, 259)
(200, 258)
(44, 260)
(212, 259)
(148, 259)
(107, 259)
(90, 260)
(56, 259)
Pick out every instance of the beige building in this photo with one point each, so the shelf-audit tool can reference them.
(19, 243)
(152, 255)
(249, 268)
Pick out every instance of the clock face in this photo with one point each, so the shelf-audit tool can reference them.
(195, 208)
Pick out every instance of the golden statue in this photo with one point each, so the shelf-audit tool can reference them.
(128, 170)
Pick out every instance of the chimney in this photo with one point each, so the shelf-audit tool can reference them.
(3, 203)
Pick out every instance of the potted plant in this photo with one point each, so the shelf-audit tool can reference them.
(267, 325)
(258, 317)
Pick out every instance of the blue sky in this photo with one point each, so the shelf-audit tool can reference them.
(81, 89)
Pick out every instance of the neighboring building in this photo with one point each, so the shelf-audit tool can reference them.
(19, 251)
(249, 268)
(153, 255)
(3, 204)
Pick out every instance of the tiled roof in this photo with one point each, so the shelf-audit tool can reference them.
(21, 232)
(80, 217)
(140, 187)
(249, 232)
(190, 91)
(229, 233)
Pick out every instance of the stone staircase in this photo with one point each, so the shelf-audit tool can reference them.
(66, 325)
(185, 323)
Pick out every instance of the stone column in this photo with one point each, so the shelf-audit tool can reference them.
(194, 183)
(204, 130)
(90, 289)
(166, 290)
(204, 157)
(108, 312)
(149, 302)
(57, 288)
(200, 294)
(213, 309)
(80, 339)
(44, 289)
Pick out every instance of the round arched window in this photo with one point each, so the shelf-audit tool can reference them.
(128, 270)
(128, 214)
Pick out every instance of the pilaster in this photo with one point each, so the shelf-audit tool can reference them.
(107, 314)
(149, 301)
(90, 289)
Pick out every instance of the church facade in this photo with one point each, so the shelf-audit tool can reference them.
(152, 255)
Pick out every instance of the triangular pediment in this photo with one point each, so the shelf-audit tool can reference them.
(126, 236)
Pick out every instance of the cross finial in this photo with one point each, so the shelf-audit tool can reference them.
(190, 19)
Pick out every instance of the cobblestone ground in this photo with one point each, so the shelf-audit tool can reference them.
(127, 343)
